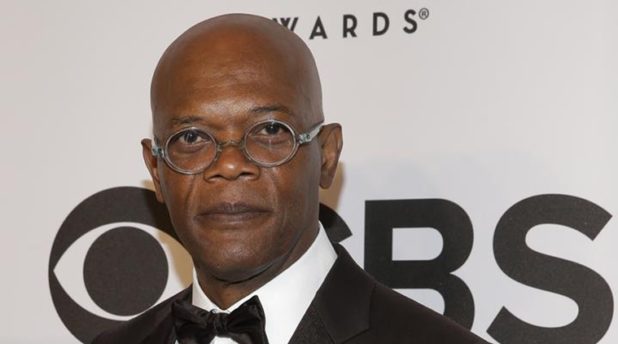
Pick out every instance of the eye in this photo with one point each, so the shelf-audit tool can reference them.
(271, 129)
(188, 142)
(104, 273)
(190, 137)
(271, 134)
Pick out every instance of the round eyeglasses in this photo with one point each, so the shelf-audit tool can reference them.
(268, 144)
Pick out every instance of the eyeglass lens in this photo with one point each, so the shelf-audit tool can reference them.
(266, 143)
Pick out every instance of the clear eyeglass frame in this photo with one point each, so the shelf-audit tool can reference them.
(299, 140)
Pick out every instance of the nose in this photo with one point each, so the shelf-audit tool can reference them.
(231, 164)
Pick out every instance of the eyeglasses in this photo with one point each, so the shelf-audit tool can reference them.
(268, 143)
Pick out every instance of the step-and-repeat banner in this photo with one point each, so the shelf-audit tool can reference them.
(478, 174)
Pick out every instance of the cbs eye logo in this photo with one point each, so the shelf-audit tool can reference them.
(111, 260)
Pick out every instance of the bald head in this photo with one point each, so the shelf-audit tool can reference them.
(236, 53)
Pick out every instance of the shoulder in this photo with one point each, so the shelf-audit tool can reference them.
(155, 320)
(396, 316)
(392, 317)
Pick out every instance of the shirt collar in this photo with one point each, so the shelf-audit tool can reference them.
(287, 296)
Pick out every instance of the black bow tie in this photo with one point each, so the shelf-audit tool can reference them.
(245, 324)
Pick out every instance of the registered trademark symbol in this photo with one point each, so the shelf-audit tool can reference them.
(423, 13)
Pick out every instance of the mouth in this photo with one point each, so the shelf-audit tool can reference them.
(232, 212)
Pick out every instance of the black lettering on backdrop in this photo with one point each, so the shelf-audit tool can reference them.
(577, 282)
(286, 21)
(456, 229)
(409, 18)
(350, 23)
(347, 27)
(318, 29)
(385, 21)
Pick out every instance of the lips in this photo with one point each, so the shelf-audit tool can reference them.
(232, 212)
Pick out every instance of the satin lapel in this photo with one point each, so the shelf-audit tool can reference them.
(341, 307)
(163, 332)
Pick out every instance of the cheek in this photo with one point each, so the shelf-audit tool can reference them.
(298, 185)
(176, 190)
(307, 170)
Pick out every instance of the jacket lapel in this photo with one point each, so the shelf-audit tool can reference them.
(341, 307)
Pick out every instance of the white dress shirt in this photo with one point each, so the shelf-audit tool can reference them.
(286, 297)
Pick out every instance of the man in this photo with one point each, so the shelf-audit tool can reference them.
(240, 150)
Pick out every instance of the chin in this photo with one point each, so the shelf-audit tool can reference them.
(239, 271)
(234, 264)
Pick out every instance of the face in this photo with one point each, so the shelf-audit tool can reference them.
(237, 219)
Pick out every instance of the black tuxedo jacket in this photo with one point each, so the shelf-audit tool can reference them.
(350, 307)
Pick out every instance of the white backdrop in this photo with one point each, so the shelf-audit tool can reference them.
(486, 104)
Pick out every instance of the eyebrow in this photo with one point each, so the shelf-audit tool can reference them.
(188, 119)
(192, 119)
(273, 108)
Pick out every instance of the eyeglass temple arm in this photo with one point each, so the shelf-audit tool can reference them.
(310, 135)
(156, 150)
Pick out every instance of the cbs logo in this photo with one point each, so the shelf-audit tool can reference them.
(111, 260)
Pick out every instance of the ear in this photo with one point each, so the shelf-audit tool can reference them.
(331, 143)
(152, 163)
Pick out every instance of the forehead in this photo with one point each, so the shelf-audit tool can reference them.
(230, 90)
(226, 79)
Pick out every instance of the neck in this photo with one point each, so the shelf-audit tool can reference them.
(226, 292)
